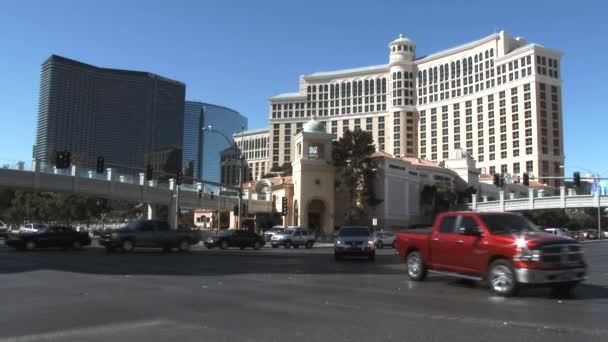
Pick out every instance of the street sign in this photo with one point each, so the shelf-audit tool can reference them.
(374, 221)
(229, 193)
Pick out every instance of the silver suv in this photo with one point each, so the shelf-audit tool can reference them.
(293, 236)
(272, 232)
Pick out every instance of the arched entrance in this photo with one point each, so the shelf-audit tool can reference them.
(316, 209)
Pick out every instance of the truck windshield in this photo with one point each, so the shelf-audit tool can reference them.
(499, 224)
(354, 231)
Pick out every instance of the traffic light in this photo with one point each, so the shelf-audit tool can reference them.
(526, 179)
(496, 179)
(284, 206)
(63, 159)
(149, 172)
(100, 165)
(577, 179)
(180, 178)
(236, 210)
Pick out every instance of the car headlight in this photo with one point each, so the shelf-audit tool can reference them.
(526, 254)
(371, 242)
(338, 242)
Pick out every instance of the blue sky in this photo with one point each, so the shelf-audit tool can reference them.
(238, 53)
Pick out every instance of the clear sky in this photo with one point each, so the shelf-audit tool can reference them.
(238, 53)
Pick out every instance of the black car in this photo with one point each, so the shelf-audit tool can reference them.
(149, 233)
(236, 238)
(53, 236)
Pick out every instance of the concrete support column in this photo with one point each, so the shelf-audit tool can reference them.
(90, 174)
(570, 192)
(151, 211)
(501, 198)
(74, 171)
(55, 170)
(562, 196)
(172, 184)
(541, 193)
(512, 195)
(109, 174)
(36, 170)
(484, 198)
(152, 183)
(530, 198)
(122, 178)
(142, 179)
(474, 202)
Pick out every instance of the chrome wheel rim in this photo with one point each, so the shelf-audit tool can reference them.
(413, 265)
(501, 279)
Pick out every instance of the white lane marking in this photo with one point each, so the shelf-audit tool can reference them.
(87, 331)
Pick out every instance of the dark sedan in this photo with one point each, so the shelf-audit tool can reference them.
(236, 238)
(53, 236)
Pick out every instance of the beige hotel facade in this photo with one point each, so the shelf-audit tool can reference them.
(499, 98)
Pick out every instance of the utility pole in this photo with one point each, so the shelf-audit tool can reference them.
(219, 209)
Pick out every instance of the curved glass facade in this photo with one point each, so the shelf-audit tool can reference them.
(221, 119)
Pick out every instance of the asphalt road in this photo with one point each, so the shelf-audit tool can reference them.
(275, 295)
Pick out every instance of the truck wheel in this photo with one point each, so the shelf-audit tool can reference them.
(224, 245)
(257, 245)
(416, 269)
(184, 246)
(309, 244)
(30, 245)
(380, 244)
(288, 244)
(127, 246)
(502, 278)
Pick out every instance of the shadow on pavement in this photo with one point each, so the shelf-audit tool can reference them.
(203, 263)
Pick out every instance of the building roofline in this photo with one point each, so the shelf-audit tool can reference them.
(347, 72)
(251, 132)
(286, 96)
(457, 49)
(216, 105)
(111, 70)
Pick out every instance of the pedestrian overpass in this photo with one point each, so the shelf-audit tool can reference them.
(536, 201)
(114, 186)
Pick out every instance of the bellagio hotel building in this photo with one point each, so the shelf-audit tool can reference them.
(498, 98)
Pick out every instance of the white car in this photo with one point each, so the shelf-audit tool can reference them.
(32, 227)
(382, 239)
(557, 231)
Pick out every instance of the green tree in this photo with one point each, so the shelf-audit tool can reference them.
(355, 173)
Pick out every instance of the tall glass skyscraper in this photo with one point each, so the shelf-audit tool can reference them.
(201, 154)
(131, 118)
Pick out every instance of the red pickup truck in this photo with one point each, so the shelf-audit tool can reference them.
(505, 249)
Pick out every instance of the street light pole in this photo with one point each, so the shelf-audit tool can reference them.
(236, 149)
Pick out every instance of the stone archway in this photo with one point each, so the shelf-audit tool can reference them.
(316, 212)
